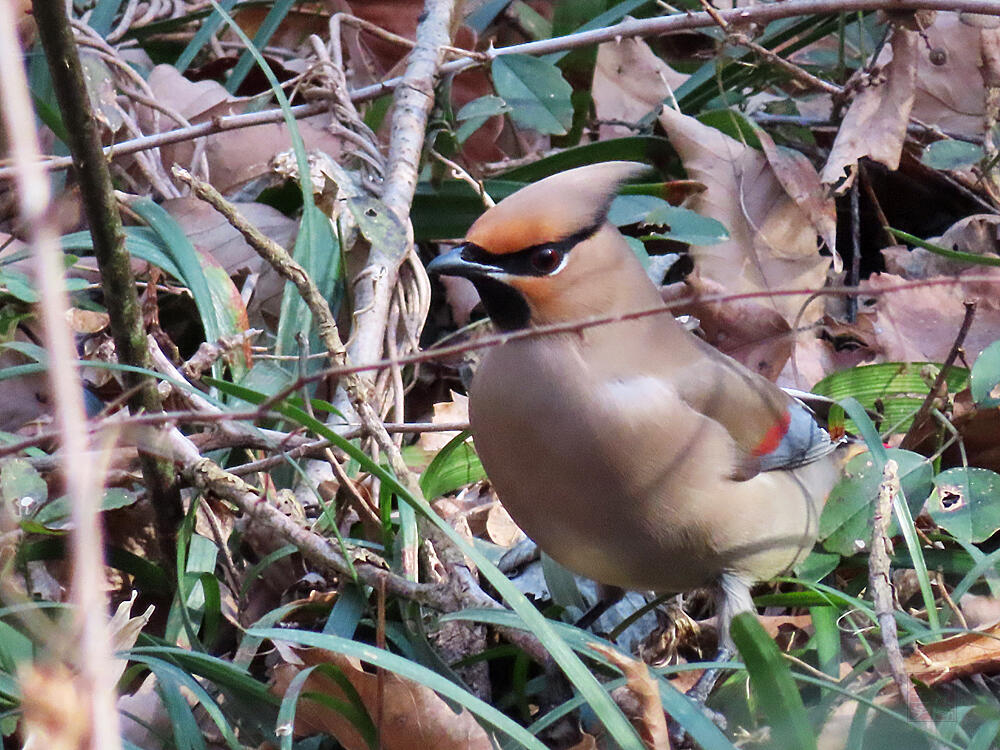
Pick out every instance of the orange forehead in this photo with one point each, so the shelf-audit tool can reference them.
(552, 209)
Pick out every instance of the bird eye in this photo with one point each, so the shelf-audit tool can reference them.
(546, 259)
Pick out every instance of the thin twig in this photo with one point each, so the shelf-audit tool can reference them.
(881, 588)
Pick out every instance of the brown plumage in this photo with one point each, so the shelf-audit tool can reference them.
(632, 453)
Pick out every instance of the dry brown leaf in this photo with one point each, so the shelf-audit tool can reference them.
(919, 324)
(749, 332)
(456, 410)
(234, 157)
(410, 715)
(630, 82)
(951, 94)
(875, 124)
(211, 234)
(977, 430)
(500, 527)
(956, 657)
(799, 179)
(773, 242)
(86, 321)
(981, 612)
(649, 720)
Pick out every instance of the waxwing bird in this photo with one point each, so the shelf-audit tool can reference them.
(633, 453)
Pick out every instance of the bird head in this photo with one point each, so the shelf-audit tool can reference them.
(547, 253)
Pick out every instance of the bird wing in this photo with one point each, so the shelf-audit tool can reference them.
(771, 429)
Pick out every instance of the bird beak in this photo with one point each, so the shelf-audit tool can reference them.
(459, 263)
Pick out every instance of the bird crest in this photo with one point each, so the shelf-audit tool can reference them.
(553, 209)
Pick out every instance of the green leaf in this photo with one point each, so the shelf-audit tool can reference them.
(898, 387)
(687, 226)
(454, 466)
(966, 503)
(774, 688)
(484, 106)
(732, 123)
(475, 114)
(379, 225)
(985, 377)
(950, 154)
(21, 485)
(318, 251)
(55, 514)
(353, 710)
(537, 93)
(219, 304)
(141, 242)
(844, 526)
(17, 285)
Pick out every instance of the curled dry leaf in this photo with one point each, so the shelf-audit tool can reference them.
(773, 239)
(647, 716)
(876, 122)
(630, 82)
(86, 321)
(500, 527)
(800, 180)
(956, 657)
(410, 715)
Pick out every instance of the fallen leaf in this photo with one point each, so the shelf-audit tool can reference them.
(212, 235)
(956, 657)
(630, 83)
(407, 714)
(456, 410)
(234, 157)
(876, 122)
(802, 184)
(919, 324)
(500, 527)
(748, 331)
(981, 612)
(773, 241)
(949, 85)
(649, 720)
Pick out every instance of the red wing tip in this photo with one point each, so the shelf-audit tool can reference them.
(774, 436)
